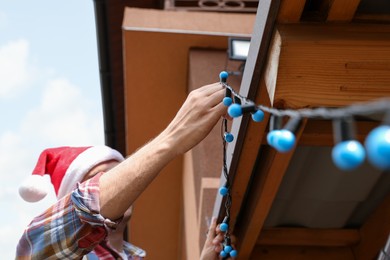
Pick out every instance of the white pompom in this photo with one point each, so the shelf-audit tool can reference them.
(34, 188)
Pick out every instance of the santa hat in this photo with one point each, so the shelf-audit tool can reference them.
(66, 166)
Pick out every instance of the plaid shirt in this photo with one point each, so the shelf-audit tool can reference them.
(73, 228)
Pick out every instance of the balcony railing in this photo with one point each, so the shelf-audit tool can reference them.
(239, 6)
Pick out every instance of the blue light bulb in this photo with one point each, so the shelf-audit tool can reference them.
(227, 101)
(227, 249)
(283, 141)
(348, 155)
(223, 254)
(223, 76)
(228, 137)
(378, 147)
(223, 191)
(235, 110)
(271, 136)
(258, 116)
(224, 227)
(233, 253)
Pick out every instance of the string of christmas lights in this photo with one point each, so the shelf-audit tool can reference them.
(228, 250)
(347, 154)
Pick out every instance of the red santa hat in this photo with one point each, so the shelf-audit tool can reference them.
(66, 166)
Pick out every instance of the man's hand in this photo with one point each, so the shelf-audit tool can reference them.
(213, 244)
(197, 116)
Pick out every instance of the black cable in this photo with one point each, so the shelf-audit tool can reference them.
(228, 201)
(364, 108)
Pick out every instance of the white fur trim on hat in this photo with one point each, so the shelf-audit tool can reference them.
(34, 188)
(83, 163)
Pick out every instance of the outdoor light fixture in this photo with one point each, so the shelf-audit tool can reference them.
(238, 48)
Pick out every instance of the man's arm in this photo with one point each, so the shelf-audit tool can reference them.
(121, 186)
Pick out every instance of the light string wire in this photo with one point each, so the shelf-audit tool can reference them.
(364, 108)
(228, 201)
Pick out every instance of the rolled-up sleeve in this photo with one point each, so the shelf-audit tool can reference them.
(69, 229)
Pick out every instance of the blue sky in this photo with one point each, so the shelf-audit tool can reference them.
(49, 96)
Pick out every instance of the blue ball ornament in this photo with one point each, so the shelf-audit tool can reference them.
(227, 249)
(224, 227)
(223, 191)
(258, 116)
(283, 141)
(377, 146)
(227, 101)
(223, 254)
(235, 110)
(348, 155)
(271, 136)
(233, 253)
(228, 137)
(223, 75)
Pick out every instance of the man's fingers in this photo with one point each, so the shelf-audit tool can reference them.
(218, 248)
(210, 89)
(217, 96)
(218, 239)
(211, 231)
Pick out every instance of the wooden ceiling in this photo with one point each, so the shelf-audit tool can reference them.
(256, 180)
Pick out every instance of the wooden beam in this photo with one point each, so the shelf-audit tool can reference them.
(372, 18)
(255, 133)
(261, 37)
(290, 11)
(342, 10)
(375, 232)
(308, 237)
(329, 65)
(301, 253)
(271, 69)
(260, 196)
(211, 23)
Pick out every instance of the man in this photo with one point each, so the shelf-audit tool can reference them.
(89, 218)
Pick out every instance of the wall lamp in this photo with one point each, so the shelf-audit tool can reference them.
(238, 48)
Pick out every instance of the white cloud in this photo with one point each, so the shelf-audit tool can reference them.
(15, 72)
(64, 116)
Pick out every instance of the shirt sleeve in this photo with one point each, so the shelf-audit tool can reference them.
(69, 229)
